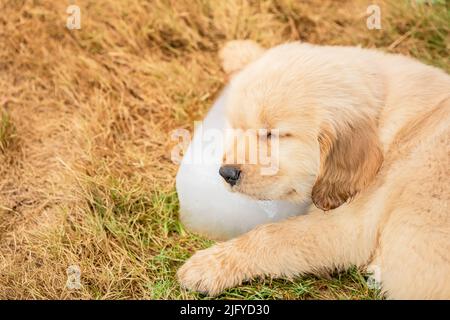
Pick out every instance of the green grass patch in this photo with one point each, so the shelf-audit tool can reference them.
(146, 228)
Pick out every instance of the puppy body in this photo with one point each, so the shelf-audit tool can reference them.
(365, 135)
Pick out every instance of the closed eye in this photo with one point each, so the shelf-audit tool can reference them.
(279, 134)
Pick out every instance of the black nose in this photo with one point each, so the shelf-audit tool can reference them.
(231, 174)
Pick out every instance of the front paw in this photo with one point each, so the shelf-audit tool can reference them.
(212, 270)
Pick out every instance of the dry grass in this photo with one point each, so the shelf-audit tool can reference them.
(85, 116)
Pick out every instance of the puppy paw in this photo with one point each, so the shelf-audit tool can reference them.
(212, 270)
(236, 54)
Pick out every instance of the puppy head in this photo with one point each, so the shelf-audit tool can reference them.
(285, 141)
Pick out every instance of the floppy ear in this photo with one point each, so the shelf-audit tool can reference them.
(350, 159)
(236, 54)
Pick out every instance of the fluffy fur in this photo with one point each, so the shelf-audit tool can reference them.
(363, 134)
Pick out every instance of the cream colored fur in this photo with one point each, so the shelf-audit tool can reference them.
(363, 134)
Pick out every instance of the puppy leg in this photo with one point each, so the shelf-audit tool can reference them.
(304, 244)
(415, 260)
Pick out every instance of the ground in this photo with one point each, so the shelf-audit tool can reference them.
(86, 178)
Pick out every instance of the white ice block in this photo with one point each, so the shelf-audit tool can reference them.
(206, 205)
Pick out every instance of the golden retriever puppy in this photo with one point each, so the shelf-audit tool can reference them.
(364, 135)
